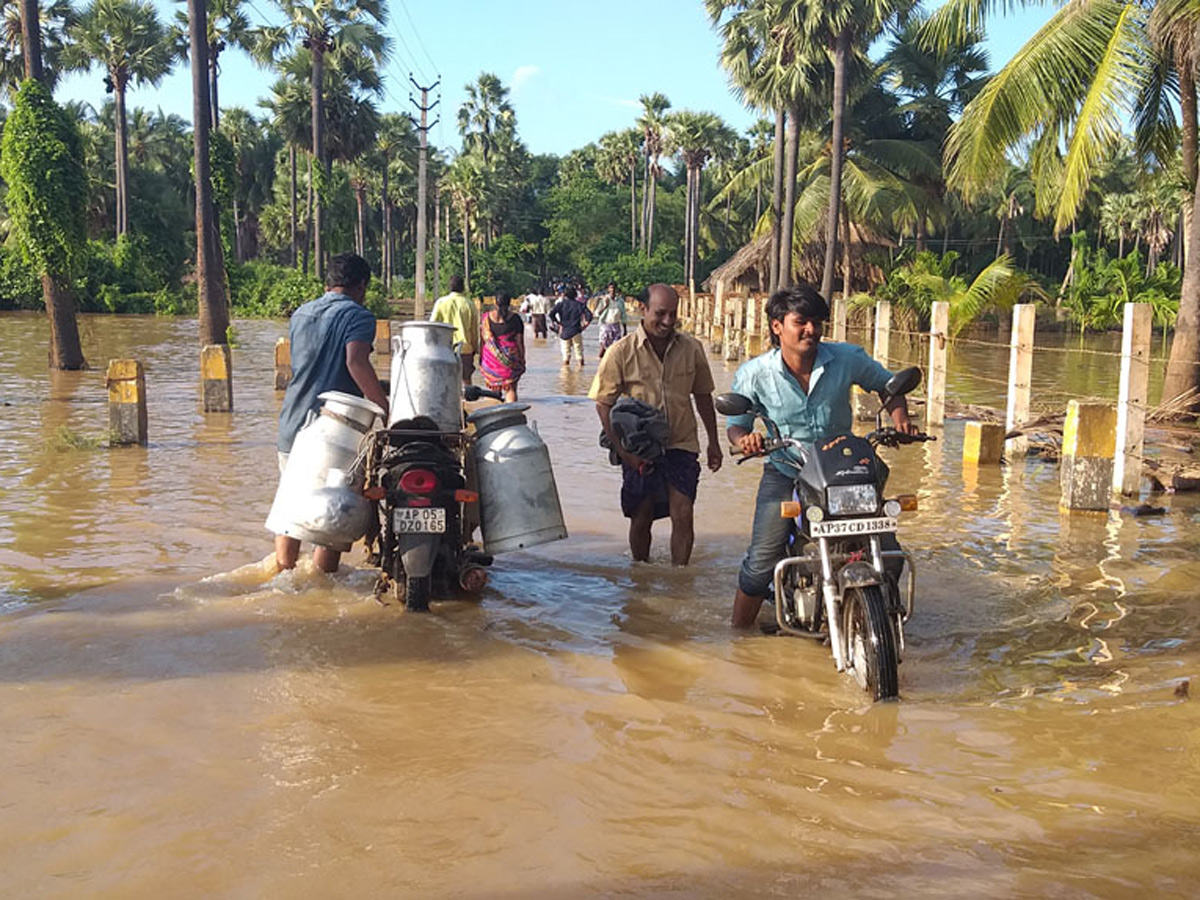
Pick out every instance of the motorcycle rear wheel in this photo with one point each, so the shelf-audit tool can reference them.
(871, 642)
(416, 593)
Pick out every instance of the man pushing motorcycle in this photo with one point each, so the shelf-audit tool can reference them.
(803, 386)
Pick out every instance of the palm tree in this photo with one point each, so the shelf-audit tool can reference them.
(228, 26)
(51, 20)
(1069, 87)
(127, 38)
(698, 137)
(620, 153)
(313, 25)
(289, 108)
(395, 136)
(653, 126)
(1117, 214)
(488, 125)
(465, 184)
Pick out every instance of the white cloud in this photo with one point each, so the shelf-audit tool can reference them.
(522, 75)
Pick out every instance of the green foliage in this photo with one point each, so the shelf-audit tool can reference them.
(262, 290)
(222, 162)
(1102, 286)
(20, 287)
(633, 272)
(64, 439)
(47, 186)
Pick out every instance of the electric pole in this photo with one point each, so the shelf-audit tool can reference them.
(423, 130)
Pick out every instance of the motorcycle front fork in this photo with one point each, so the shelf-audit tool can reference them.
(831, 593)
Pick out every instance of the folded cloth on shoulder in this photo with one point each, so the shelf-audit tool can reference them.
(642, 429)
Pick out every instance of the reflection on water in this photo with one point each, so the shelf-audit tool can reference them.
(178, 722)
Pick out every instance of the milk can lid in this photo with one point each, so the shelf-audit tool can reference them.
(495, 416)
(354, 404)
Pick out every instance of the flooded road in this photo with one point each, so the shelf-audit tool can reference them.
(172, 724)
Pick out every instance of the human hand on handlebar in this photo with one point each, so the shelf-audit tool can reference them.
(750, 443)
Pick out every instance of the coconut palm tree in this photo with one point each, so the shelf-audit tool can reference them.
(290, 117)
(129, 41)
(396, 139)
(464, 182)
(313, 25)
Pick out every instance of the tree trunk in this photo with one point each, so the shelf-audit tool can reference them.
(697, 191)
(317, 48)
(386, 208)
(1120, 242)
(65, 351)
(777, 197)
(650, 211)
(214, 107)
(787, 228)
(687, 230)
(308, 216)
(466, 232)
(1183, 365)
(847, 261)
(213, 304)
(645, 203)
(920, 231)
(122, 136)
(31, 39)
(841, 52)
(292, 199)
(1000, 236)
(633, 208)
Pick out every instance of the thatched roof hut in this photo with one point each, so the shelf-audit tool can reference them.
(748, 270)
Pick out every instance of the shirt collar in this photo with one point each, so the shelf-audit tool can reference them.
(824, 354)
(641, 338)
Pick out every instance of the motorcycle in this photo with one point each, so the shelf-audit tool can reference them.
(427, 510)
(841, 577)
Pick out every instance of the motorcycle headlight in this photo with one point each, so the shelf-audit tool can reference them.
(852, 499)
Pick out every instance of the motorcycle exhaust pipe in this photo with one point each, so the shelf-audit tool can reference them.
(472, 578)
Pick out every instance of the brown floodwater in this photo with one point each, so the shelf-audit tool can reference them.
(173, 723)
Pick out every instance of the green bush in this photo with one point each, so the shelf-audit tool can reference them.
(20, 287)
(262, 290)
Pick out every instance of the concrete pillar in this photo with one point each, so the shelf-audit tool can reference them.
(839, 319)
(983, 443)
(283, 363)
(939, 327)
(1020, 371)
(883, 331)
(1089, 444)
(126, 384)
(754, 313)
(734, 310)
(1132, 398)
(383, 338)
(716, 331)
(216, 376)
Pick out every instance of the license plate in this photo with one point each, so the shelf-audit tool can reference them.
(424, 520)
(851, 527)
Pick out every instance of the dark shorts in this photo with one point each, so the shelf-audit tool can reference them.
(539, 324)
(468, 365)
(679, 469)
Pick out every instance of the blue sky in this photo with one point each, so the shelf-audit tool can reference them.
(575, 69)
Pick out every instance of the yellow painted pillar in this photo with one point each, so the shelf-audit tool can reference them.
(383, 337)
(283, 363)
(983, 443)
(751, 336)
(1089, 445)
(216, 376)
(126, 384)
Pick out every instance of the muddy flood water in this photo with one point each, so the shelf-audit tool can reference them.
(175, 724)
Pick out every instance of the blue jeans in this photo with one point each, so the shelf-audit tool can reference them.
(768, 540)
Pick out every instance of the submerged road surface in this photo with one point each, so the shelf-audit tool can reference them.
(175, 724)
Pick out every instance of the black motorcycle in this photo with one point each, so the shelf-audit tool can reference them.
(428, 512)
(845, 576)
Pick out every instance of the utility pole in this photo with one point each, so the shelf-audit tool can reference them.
(423, 130)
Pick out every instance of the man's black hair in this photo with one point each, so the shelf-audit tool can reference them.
(569, 293)
(347, 270)
(457, 284)
(802, 299)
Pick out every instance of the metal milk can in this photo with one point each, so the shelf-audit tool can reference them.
(319, 497)
(518, 498)
(426, 375)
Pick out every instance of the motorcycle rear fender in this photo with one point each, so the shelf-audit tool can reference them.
(857, 574)
(417, 553)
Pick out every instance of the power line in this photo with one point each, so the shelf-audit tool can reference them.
(420, 41)
(412, 57)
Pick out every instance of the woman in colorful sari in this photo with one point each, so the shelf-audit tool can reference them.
(502, 359)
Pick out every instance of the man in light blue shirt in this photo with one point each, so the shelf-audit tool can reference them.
(803, 386)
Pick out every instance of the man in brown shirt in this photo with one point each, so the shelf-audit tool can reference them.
(665, 369)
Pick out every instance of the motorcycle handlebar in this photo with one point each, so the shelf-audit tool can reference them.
(891, 437)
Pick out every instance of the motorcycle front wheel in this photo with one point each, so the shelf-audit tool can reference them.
(871, 642)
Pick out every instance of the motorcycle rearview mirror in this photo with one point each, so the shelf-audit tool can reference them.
(901, 383)
(732, 404)
(472, 392)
